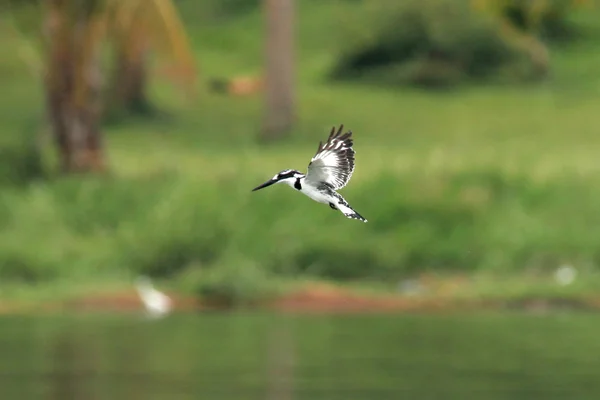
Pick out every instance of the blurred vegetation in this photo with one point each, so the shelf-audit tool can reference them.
(467, 219)
(488, 178)
(443, 42)
(65, 51)
(549, 19)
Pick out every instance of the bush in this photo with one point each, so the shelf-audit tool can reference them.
(17, 266)
(550, 22)
(20, 162)
(168, 225)
(426, 43)
(235, 282)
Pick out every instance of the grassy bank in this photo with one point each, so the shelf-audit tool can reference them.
(486, 180)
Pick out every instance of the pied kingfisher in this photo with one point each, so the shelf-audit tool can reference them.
(329, 170)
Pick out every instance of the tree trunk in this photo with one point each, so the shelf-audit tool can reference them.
(73, 83)
(130, 80)
(279, 79)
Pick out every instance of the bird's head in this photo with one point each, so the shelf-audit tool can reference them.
(287, 176)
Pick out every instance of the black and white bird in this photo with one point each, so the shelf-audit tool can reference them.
(328, 171)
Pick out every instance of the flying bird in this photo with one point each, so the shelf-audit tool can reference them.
(328, 171)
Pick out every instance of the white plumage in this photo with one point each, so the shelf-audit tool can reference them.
(156, 303)
(334, 162)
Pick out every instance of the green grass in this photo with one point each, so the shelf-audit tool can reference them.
(483, 180)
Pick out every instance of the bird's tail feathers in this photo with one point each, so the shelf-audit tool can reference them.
(350, 213)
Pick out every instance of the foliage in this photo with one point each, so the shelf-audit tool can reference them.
(491, 178)
(73, 36)
(160, 24)
(235, 281)
(545, 18)
(433, 42)
(20, 162)
(159, 19)
(475, 218)
(228, 8)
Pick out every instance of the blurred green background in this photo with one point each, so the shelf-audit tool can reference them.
(474, 122)
(132, 133)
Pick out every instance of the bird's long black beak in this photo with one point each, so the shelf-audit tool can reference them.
(266, 184)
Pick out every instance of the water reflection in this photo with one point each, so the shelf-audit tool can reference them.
(73, 362)
(280, 362)
(261, 356)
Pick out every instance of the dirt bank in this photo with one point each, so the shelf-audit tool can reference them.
(316, 298)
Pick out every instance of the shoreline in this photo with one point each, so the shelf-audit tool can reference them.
(313, 298)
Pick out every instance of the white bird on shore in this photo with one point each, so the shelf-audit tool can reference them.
(157, 303)
(565, 275)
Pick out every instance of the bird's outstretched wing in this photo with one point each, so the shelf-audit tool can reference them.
(334, 161)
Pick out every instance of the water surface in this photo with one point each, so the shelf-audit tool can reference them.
(268, 356)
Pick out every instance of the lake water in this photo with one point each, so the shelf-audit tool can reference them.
(268, 356)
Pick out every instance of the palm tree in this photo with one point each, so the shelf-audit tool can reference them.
(73, 81)
(75, 32)
(141, 27)
(130, 69)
